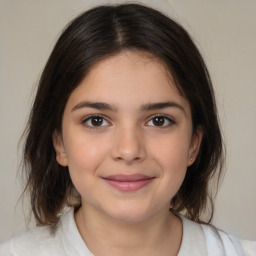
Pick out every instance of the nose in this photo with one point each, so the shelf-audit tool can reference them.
(129, 146)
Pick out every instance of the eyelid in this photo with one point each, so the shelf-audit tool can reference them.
(87, 118)
(170, 120)
(167, 117)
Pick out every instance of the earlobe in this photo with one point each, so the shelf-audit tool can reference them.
(195, 145)
(58, 145)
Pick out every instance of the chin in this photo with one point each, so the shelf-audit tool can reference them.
(130, 214)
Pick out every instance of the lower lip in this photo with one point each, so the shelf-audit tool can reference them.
(128, 186)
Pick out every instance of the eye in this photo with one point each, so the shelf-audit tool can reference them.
(95, 121)
(160, 121)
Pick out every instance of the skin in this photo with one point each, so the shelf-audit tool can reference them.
(128, 140)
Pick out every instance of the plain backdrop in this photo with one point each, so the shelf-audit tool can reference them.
(225, 32)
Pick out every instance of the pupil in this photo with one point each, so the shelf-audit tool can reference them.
(97, 121)
(158, 121)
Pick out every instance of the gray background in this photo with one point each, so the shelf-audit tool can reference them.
(225, 31)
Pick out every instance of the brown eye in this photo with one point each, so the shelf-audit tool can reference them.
(160, 121)
(95, 121)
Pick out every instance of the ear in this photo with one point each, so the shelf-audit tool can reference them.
(58, 145)
(195, 145)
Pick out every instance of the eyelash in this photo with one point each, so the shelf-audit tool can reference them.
(90, 118)
(166, 118)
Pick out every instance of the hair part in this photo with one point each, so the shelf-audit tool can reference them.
(95, 35)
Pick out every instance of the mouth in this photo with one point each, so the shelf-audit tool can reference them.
(128, 183)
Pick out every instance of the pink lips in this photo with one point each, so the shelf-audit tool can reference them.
(127, 183)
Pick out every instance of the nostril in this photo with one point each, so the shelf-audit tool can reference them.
(129, 160)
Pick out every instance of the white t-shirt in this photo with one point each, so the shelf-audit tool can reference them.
(66, 241)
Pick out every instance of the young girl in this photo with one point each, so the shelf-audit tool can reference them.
(122, 142)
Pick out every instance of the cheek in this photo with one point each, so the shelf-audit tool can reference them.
(172, 156)
(172, 152)
(84, 151)
(84, 156)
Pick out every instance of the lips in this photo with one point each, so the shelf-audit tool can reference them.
(128, 183)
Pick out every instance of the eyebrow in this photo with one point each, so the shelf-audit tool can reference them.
(145, 107)
(161, 105)
(96, 105)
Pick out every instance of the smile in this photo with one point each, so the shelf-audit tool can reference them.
(128, 183)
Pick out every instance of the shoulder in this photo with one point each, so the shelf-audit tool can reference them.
(249, 247)
(42, 241)
(38, 241)
(230, 244)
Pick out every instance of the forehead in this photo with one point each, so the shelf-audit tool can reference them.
(130, 76)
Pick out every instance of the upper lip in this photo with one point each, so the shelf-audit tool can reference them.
(128, 177)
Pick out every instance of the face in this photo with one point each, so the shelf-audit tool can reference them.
(127, 137)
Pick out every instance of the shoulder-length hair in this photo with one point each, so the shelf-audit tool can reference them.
(96, 35)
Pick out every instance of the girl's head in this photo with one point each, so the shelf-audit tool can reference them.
(116, 38)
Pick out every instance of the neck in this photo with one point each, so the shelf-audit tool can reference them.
(159, 234)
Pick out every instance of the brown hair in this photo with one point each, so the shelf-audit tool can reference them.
(95, 35)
